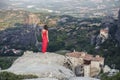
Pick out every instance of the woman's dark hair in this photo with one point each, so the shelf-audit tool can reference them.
(45, 27)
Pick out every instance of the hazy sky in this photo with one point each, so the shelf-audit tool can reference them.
(3, 3)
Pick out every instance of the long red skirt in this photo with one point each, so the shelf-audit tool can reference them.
(44, 46)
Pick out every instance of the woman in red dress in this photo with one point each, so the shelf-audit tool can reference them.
(45, 38)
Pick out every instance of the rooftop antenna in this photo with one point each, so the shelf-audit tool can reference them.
(74, 50)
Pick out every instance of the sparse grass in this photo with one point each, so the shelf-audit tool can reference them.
(6, 62)
(114, 77)
(12, 76)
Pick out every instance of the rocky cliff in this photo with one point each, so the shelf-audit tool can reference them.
(107, 31)
(118, 30)
(49, 66)
(19, 38)
(43, 65)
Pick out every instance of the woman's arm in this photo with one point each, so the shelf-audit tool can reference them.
(47, 36)
(42, 33)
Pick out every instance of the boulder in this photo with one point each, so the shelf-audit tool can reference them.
(49, 65)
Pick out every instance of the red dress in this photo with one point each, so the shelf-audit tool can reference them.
(44, 40)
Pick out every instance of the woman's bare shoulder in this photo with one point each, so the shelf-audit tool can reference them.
(43, 30)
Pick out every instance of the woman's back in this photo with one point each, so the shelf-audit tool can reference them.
(44, 34)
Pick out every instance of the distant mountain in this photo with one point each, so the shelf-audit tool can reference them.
(9, 18)
(81, 8)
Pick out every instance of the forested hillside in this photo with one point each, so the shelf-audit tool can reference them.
(65, 32)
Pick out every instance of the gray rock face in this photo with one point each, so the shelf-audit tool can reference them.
(20, 38)
(23, 36)
(73, 78)
(48, 65)
(108, 31)
(118, 30)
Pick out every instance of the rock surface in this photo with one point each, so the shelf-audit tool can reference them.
(42, 79)
(49, 65)
(83, 78)
(73, 78)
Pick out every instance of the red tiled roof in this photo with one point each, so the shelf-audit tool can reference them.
(97, 59)
(74, 54)
(85, 56)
